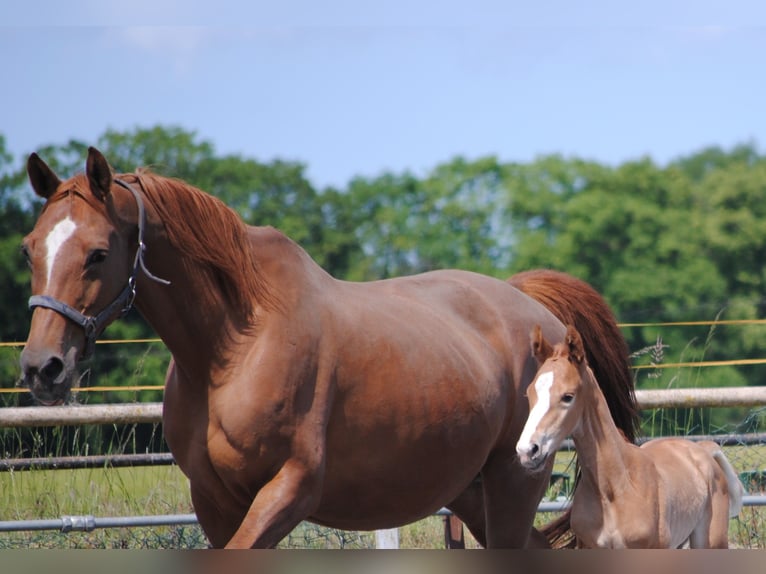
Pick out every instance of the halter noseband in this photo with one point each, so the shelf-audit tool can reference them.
(93, 325)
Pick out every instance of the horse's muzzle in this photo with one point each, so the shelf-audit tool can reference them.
(48, 376)
(532, 456)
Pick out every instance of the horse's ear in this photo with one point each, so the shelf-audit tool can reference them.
(575, 345)
(42, 178)
(99, 173)
(541, 349)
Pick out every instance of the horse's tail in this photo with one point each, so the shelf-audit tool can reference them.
(736, 490)
(575, 302)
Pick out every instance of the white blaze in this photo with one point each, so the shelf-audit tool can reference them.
(543, 386)
(62, 231)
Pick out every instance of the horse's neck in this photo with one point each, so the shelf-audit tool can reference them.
(189, 328)
(602, 450)
(199, 327)
(190, 318)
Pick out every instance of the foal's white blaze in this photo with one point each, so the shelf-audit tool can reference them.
(62, 231)
(543, 386)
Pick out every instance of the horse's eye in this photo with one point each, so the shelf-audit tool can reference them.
(567, 398)
(95, 257)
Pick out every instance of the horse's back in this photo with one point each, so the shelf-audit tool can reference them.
(680, 460)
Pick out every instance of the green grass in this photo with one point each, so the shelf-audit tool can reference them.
(46, 494)
(113, 491)
(164, 490)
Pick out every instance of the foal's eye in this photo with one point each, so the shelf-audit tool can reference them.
(95, 257)
(567, 398)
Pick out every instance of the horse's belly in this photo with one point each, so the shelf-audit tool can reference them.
(382, 485)
(370, 506)
(401, 449)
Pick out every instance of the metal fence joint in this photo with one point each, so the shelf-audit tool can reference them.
(85, 523)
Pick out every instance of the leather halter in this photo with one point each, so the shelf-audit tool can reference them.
(93, 325)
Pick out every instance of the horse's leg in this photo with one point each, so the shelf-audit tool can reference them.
(538, 540)
(469, 507)
(511, 497)
(279, 506)
(217, 527)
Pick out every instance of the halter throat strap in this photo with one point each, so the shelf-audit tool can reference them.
(93, 325)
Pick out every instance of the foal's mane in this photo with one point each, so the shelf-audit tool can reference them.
(561, 351)
(207, 231)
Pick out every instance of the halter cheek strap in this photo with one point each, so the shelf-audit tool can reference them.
(93, 325)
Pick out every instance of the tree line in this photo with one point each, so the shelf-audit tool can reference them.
(683, 242)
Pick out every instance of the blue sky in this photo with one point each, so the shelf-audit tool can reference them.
(356, 88)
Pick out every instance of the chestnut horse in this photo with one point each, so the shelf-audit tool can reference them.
(658, 495)
(292, 395)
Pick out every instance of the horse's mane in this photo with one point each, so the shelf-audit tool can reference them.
(207, 231)
(575, 302)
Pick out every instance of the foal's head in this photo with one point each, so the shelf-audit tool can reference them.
(555, 402)
(80, 258)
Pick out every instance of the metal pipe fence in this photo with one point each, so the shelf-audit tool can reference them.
(88, 523)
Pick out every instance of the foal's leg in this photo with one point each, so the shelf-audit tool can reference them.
(713, 530)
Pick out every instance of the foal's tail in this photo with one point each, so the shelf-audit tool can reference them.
(575, 302)
(736, 490)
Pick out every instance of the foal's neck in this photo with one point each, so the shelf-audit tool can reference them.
(599, 443)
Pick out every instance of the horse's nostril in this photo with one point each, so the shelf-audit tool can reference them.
(534, 449)
(52, 369)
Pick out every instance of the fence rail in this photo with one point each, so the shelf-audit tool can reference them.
(88, 523)
(152, 412)
(703, 397)
(14, 417)
(87, 461)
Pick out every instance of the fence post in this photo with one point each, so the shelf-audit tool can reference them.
(387, 539)
(453, 533)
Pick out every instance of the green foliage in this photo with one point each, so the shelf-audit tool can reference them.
(682, 242)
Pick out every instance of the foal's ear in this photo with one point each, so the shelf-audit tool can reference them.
(541, 349)
(44, 181)
(99, 173)
(575, 346)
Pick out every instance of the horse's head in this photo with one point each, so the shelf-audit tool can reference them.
(554, 404)
(80, 254)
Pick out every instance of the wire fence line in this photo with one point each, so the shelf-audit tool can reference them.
(652, 366)
(704, 323)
